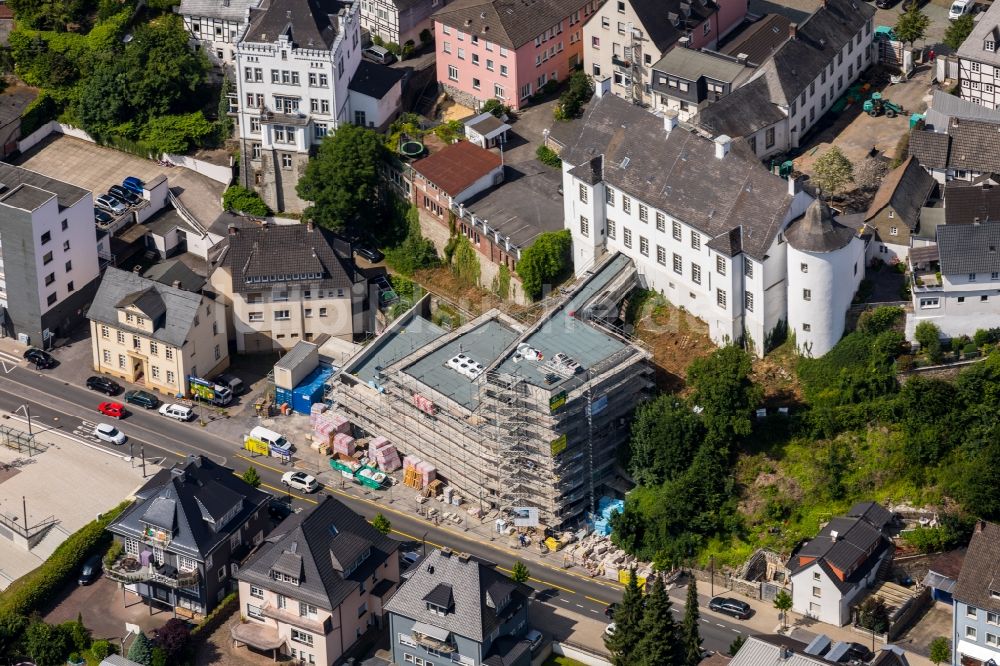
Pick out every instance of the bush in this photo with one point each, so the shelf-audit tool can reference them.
(880, 319)
(547, 259)
(100, 650)
(240, 199)
(928, 335)
(970, 349)
(548, 157)
(450, 131)
(40, 111)
(177, 134)
(415, 252)
(115, 550)
(216, 617)
(174, 638)
(378, 41)
(426, 36)
(496, 107)
(30, 592)
(580, 89)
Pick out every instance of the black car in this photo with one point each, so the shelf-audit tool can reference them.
(908, 3)
(609, 612)
(278, 510)
(103, 385)
(102, 218)
(727, 606)
(369, 253)
(127, 196)
(90, 570)
(858, 652)
(143, 399)
(41, 359)
(885, 4)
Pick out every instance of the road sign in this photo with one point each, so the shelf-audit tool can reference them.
(525, 516)
(202, 389)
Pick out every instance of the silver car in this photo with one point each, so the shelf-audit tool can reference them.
(110, 204)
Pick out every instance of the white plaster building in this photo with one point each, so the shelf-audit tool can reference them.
(48, 255)
(215, 26)
(800, 82)
(293, 68)
(398, 21)
(706, 225)
(979, 61)
(826, 263)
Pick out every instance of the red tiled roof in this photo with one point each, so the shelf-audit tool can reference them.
(456, 167)
(5, 11)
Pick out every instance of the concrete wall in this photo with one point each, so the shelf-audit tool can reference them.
(222, 173)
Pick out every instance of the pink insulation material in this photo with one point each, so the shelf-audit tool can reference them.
(387, 458)
(427, 472)
(376, 444)
(343, 444)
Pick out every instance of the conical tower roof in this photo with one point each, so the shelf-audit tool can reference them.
(818, 231)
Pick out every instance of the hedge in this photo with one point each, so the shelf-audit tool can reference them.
(31, 591)
(212, 621)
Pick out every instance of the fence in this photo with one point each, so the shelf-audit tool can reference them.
(20, 441)
(222, 173)
(580, 653)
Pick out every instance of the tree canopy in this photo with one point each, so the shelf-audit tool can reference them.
(659, 635)
(342, 181)
(959, 29)
(833, 171)
(547, 259)
(623, 644)
(912, 24)
(665, 436)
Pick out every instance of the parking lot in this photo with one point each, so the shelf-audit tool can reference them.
(96, 168)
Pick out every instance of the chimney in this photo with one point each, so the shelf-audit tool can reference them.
(288, 14)
(177, 284)
(742, 58)
(310, 227)
(685, 42)
(446, 552)
(834, 534)
(793, 30)
(137, 269)
(674, 18)
(980, 526)
(669, 120)
(602, 87)
(784, 653)
(793, 186)
(722, 145)
(463, 557)
(233, 230)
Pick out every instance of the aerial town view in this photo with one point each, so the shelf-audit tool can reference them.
(499, 332)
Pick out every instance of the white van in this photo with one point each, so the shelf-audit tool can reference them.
(179, 412)
(960, 7)
(273, 439)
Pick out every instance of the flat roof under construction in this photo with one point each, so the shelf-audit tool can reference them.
(412, 335)
(483, 344)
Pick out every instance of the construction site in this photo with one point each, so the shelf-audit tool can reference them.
(520, 421)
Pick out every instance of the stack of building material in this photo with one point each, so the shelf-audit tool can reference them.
(326, 425)
(606, 506)
(411, 476)
(384, 454)
(427, 472)
(314, 412)
(343, 444)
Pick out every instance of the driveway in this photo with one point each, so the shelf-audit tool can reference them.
(105, 611)
(97, 168)
(935, 622)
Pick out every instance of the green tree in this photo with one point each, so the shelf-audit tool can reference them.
(940, 647)
(496, 107)
(242, 200)
(978, 480)
(579, 90)
(833, 171)
(520, 572)
(874, 615)
(548, 157)
(141, 650)
(623, 643)
(912, 25)
(783, 602)
(547, 259)
(164, 73)
(103, 101)
(45, 644)
(342, 181)
(665, 437)
(928, 335)
(659, 641)
(725, 392)
(415, 252)
(735, 646)
(177, 133)
(251, 476)
(959, 29)
(12, 627)
(689, 627)
(381, 523)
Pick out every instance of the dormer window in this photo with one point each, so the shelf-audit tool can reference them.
(437, 610)
(990, 45)
(284, 578)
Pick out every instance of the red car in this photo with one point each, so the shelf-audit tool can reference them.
(115, 410)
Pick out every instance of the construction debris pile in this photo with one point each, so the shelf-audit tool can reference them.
(600, 557)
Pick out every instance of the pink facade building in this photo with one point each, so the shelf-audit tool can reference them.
(507, 49)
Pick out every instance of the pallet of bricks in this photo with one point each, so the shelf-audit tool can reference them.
(384, 454)
(326, 426)
(418, 474)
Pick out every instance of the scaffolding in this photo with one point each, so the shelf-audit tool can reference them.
(513, 439)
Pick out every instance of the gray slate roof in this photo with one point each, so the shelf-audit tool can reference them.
(986, 28)
(309, 24)
(233, 10)
(761, 39)
(374, 80)
(746, 110)
(972, 145)
(966, 205)
(679, 173)
(175, 270)
(178, 496)
(654, 17)
(12, 176)
(470, 581)
(509, 23)
(313, 541)
(980, 577)
(872, 512)
(930, 148)
(969, 248)
(13, 103)
(944, 107)
(285, 250)
(118, 287)
(856, 536)
(906, 188)
(691, 65)
(818, 231)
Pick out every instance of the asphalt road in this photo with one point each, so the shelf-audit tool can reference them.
(55, 404)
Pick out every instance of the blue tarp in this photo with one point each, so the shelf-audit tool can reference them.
(310, 391)
(282, 396)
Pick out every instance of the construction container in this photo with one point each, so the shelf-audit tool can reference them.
(283, 396)
(295, 365)
(310, 390)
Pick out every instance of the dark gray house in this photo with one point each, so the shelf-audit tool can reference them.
(186, 535)
(453, 608)
(687, 80)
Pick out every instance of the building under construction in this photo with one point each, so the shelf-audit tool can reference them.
(512, 416)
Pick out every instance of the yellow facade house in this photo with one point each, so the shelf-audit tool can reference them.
(150, 333)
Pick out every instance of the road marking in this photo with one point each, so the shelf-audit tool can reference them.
(593, 611)
(705, 621)
(599, 601)
(579, 605)
(719, 624)
(543, 582)
(7, 369)
(735, 630)
(284, 491)
(10, 357)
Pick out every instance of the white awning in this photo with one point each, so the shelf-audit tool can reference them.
(979, 652)
(431, 631)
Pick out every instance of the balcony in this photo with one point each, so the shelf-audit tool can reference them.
(433, 637)
(620, 62)
(128, 570)
(285, 616)
(925, 281)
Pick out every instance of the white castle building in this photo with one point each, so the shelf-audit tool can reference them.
(708, 226)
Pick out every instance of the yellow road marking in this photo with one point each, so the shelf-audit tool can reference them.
(599, 601)
(178, 453)
(284, 491)
(543, 582)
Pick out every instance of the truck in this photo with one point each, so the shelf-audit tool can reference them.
(207, 391)
(877, 105)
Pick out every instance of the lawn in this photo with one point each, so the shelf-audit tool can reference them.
(555, 660)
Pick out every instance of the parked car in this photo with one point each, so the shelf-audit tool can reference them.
(90, 571)
(230, 381)
(103, 385)
(102, 218)
(610, 629)
(129, 197)
(143, 399)
(115, 410)
(378, 54)
(278, 509)
(371, 254)
(960, 7)
(109, 433)
(733, 607)
(410, 558)
(609, 612)
(110, 204)
(179, 412)
(41, 359)
(133, 184)
(858, 652)
(300, 481)
(535, 638)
